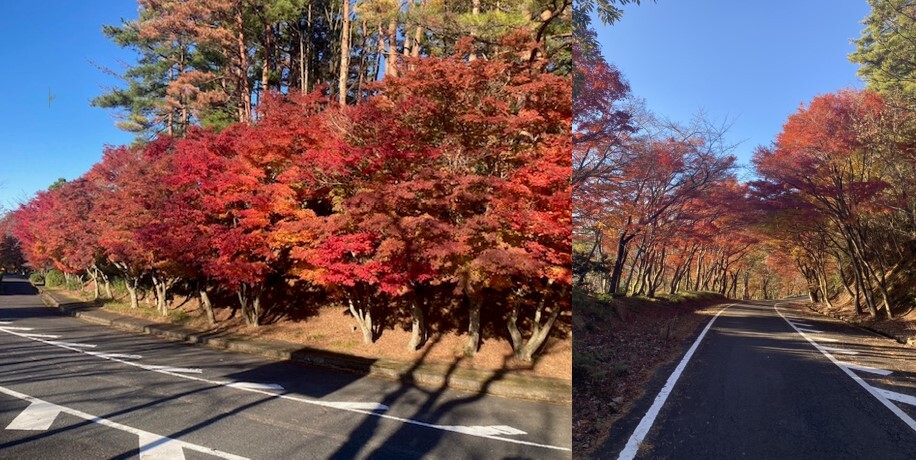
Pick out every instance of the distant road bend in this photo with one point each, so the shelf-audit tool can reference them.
(69, 389)
(773, 380)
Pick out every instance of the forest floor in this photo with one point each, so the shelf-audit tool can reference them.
(332, 328)
(902, 328)
(620, 344)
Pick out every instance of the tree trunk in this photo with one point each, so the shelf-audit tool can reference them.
(417, 323)
(344, 55)
(131, 284)
(363, 319)
(539, 332)
(473, 344)
(206, 304)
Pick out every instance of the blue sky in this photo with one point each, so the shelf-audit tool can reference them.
(54, 44)
(750, 61)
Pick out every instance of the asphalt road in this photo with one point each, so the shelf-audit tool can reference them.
(772, 380)
(73, 390)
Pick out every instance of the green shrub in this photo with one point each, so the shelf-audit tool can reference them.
(37, 278)
(55, 278)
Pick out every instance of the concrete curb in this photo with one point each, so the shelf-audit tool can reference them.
(427, 375)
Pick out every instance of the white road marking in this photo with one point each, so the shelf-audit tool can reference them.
(373, 413)
(144, 435)
(6, 322)
(825, 339)
(629, 451)
(16, 328)
(256, 386)
(489, 430)
(179, 370)
(115, 355)
(155, 447)
(894, 396)
(68, 344)
(37, 417)
(870, 389)
(799, 323)
(841, 351)
(357, 405)
(43, 336)
(810, 331)
(873, 370)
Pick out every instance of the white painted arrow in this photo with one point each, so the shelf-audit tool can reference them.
(155, 447)
(37, 417)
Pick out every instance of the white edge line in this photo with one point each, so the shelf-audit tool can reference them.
(302, 400)
(118, 426)
(639, 434)
(872, 390)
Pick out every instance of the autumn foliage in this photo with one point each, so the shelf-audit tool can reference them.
(446, 193)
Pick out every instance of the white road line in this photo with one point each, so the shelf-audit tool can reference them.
(810, 331)
(179, 370)
(16, 328)
(357, 405)
(870, 389)
(43, 336)
(143, 435)
(639, 434)
(841, 351)
(825, 339)
(114, 355)
(315, 402)
(489, 430)
(894, 396)
(873, 370)
(37, 417)
(67, 344)
(6, 322)
(255, 385)
(799, 323)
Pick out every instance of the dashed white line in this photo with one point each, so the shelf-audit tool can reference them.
(894, 396)
(873, 370)
(870, 389)
(371, 409)
(43, 336)
(639, 434)
(841, 351)
(148, 442)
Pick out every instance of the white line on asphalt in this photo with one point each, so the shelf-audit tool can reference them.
(180, 370)
(799, 323)
(841, 351)
(143, 435)
(255, 385)
(114, 355)
(16, 328)
(489, 430)
(872, 390)
(6, 322)
(825, 339)
(66, 344)
(810, 331)
(357, 405)
(894, 396)
(37, 417)
(873, 370)
(629, 451)
(373, 413)
(43, 336)
(155, 447)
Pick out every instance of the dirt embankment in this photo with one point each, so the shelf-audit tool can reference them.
(620, 343)
(330, 327)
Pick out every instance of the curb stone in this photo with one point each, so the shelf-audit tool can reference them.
(427, 375)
